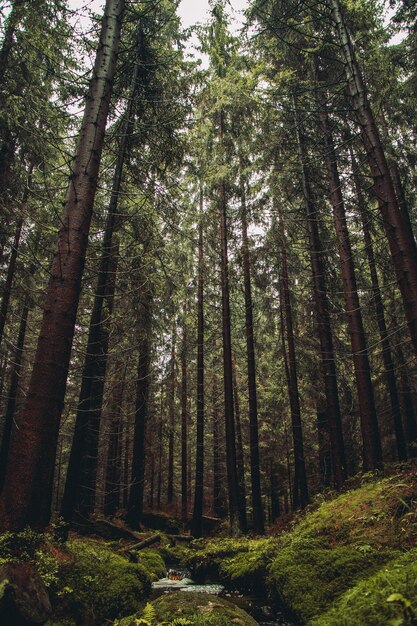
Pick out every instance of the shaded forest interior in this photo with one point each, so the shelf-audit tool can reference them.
(208, 270)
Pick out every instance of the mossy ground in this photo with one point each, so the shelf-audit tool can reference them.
(334, 549)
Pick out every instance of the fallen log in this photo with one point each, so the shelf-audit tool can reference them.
(109, 530)
(150, 541)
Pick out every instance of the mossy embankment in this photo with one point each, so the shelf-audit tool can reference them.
(89, 581)
(349, 561)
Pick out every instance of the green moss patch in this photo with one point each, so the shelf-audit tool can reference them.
(96, 584)
(152, 562)
(388, 597)
(198, 609)
(308, 577)
(241, 561)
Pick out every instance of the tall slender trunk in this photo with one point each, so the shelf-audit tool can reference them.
(197, 526)
(274, 492)
(160, 452)
(114, 453)
(240, 459)
(232, 478)
(300, 493)
(184, 421)
(323, 321)
(371, 448)
(408, 403)
(380, 317)
(13, 390)
(218, 491)
(79, 493)
(257, 510)
(402, 244)
(135, 506)
(171, 436)
(7, 289)
(26, 498)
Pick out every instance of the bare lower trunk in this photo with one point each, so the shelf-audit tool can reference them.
(184, 424)
(171, 437)
(135, 506)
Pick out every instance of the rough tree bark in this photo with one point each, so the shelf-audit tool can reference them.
(380, 316)
(26, 498)
(197, 524)
(171, 434)
(257, 510)
(300, 492)
(402, 244)
(135, 506)
(232, 478)
(324, 328)
(184, 420)
(371, 442)
(79, 492)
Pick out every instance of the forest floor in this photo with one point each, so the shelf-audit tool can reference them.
(349, 560)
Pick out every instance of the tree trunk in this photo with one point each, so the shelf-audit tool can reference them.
(171, 438)
(7, 291)
(240, 459)
(114, 453)
(300, 493)
(380, 316)
(257, 510)
(274, 487)
(184, 421)
(13, 389)
(135, 507)
(197, 527)
(371, 450)
(80, 486)
(218, 492)
(232, 478)
(402, 244)
(323, 321)
(26, 498)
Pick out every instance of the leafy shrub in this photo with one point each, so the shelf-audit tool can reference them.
(29, 546)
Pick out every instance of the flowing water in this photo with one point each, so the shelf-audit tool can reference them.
(256, 605)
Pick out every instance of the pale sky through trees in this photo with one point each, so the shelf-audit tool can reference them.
(191, 11)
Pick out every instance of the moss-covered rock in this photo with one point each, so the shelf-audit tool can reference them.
(96, 584)
(388, 597)
(198, 609)
(308, 577)
(152, 562)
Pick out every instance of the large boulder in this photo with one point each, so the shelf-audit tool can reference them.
(24, 600)
(210, 609)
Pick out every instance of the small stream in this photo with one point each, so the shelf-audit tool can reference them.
(258, 606)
